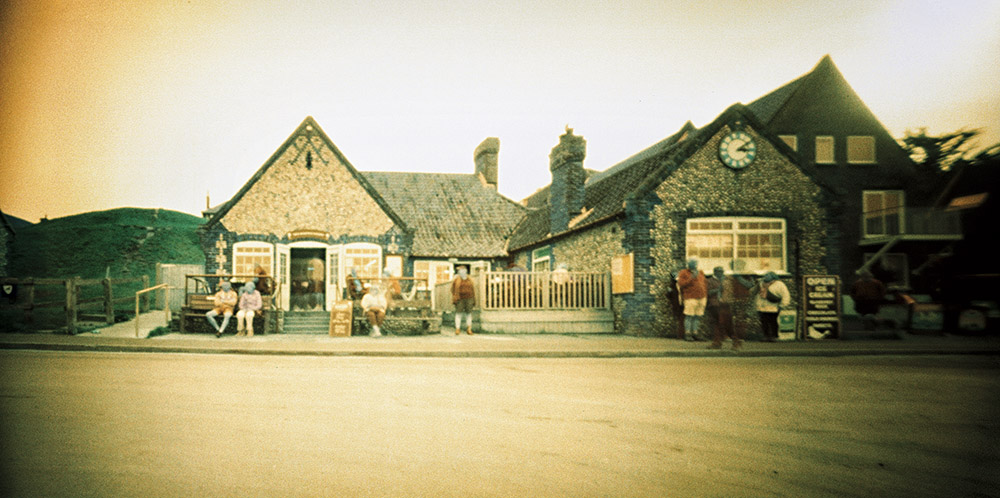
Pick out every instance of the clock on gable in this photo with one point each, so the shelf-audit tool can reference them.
(737, 150)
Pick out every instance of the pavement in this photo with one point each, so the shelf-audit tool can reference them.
(122, 338)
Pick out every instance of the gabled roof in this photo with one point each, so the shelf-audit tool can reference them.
(767, 107)
(308, 126)
(604, 193)
(451, 214)
(606, 196)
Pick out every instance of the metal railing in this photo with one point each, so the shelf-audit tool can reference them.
(911, 222)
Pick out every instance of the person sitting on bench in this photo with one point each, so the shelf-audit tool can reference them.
(374, 305)
(225, 301)
(250, 305)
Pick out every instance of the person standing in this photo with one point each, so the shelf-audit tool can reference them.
(723, 292)
(374, 306)
(867, 293)
(772, 295)
(224, 301)
(250, 305)
(463, 296)
(694, 293)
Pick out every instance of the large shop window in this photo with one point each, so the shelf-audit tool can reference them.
(883, 212)
(247, 256)
(744, 245)
(365, 258)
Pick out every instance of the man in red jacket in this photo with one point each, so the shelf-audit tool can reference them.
(694, 295)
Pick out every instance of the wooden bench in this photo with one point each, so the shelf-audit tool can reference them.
(402, 318)
(199, 304)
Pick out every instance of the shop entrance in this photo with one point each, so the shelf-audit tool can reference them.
(308, 279)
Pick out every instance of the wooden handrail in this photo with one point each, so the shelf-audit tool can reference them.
(166, 300)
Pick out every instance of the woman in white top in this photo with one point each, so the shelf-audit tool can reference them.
(772, 295)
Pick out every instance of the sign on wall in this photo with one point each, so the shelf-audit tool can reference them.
(821, 306)
(622, 274)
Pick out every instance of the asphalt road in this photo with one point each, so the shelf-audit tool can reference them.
(106, 424)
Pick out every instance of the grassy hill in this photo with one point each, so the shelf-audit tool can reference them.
(128, 242)
(120, 243)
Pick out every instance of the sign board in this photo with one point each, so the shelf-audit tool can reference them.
(787, 321)
(927, 317)
(341, 315)
(821, 306)
(622, 274)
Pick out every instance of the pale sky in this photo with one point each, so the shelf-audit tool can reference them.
(107, 104)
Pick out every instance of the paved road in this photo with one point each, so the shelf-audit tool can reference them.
(111, 424)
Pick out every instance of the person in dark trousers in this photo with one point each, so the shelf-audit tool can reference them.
(463, 296)
(723, 292)
(772, 295)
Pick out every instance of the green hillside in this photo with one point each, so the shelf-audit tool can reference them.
(127, 241)
(120, 243)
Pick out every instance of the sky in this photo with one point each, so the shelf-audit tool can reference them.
(172, 104)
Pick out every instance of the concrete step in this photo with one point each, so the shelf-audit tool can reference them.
(307, 322)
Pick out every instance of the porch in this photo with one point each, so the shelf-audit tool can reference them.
(518, 302)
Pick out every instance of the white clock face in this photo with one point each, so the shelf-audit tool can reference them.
(737, 150)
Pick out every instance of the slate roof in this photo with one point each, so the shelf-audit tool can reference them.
(452, 215)
(766, 107)
(604, 193)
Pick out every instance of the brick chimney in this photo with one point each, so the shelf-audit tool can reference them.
(566, 191)
(486, 161)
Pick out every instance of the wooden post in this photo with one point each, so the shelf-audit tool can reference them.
(71, 291)
(29, 305)
(109, 304)
(145, 297)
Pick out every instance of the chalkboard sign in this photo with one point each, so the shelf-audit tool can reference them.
(821, 306)
(340, 318)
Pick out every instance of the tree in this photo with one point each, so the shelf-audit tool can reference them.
(938, 153)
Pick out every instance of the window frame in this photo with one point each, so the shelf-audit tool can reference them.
(346, 260)
(546, 258)
(900, 215)
(256, 244)
(833, 149)
(868, 138)
(734, 231)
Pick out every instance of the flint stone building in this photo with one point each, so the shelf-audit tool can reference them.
(801, 181)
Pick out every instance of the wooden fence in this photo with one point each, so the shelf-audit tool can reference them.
(508, 290)
(73, 301)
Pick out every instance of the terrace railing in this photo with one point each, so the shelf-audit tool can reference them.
(513, 290)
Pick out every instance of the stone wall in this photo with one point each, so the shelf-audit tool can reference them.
(5, 241)
(772, 186)
(307, 187)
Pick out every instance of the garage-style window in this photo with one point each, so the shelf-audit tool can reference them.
(743, 245)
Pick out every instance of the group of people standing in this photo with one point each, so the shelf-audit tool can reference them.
(716, 297)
